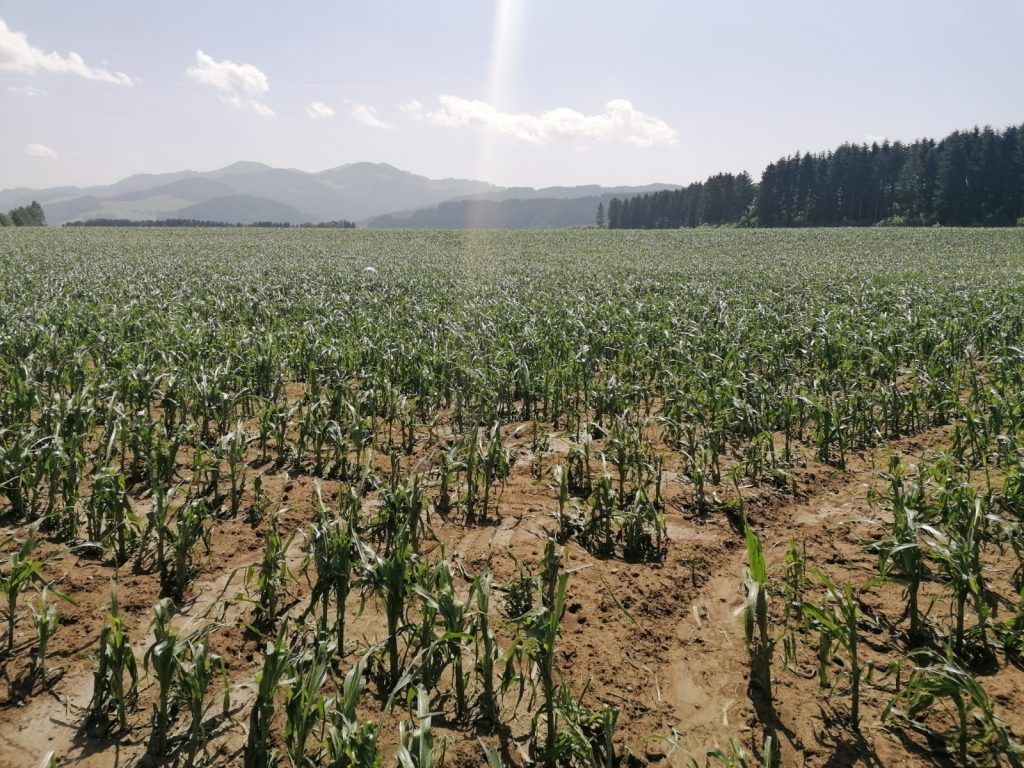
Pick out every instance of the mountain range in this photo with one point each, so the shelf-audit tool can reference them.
(373, 194)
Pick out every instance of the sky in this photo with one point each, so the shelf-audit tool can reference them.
(515, 92)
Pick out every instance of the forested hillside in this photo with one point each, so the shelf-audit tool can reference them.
(968, 178)
(540, 213)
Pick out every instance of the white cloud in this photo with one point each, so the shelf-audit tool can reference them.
(367, 115)
(40, 150)
(239, 85)
(18, 55)
(318, 110)
(248, 105)
(619, 121)
(27, 90)
(412, 107)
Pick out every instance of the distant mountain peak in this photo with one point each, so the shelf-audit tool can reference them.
(366, 164)
(249, 190)
(244, 166)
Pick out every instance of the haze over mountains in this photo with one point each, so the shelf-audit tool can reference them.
(374, 194)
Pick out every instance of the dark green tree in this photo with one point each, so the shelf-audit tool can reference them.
(27, 216)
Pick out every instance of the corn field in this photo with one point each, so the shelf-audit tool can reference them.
(577, 498)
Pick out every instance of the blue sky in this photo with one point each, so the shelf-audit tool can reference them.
(531, 92)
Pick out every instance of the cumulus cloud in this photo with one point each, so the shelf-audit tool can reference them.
(239, 85)
(27, 90)
(620, 121)
(367, 115)
(18, 55)
(40, 150)
(318, 110)
(412, 107)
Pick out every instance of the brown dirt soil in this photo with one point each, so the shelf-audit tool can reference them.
(663, 642)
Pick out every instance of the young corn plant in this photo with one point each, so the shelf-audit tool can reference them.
(760, 645)
(276, 420)
(836, 622)
(22, 571)
(425, 641)
(586, 736)
(599, 535)
(162, 661)
(542, 628)
(901, 552)
(260, 502)
(205, 481)
(46, 620)
(109, 518)
(956, 552)
(360, 435)
(447, 464)
(444, 625)
(389, 578)
(17, 457)
(258, 752)
(157, 528)
(979, 731)
(568, 519)
(470, 464)
(703, 502)
(349, 743)
(65, 464)
(495, 464)
(402, 514)
(191, 529)
(417, 747)
(332, 552)
(487, 653)
(794, 578)
(196, 671)
(270, 576)
(457, 622)
(737, 756)
(406, 412)
(115, 685)
(519, 593)
(305, 705)
(232, 447)
(643, 529)
(539, 445)
(794, 583)
(578, 472)
(162, 459)
(622, 445)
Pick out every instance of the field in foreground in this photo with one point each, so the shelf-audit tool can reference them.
(509, 492)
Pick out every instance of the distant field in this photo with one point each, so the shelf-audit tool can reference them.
(510, 491)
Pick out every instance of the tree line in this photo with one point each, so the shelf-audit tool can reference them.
(722, 199)
(25, 216)
(969, 178)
